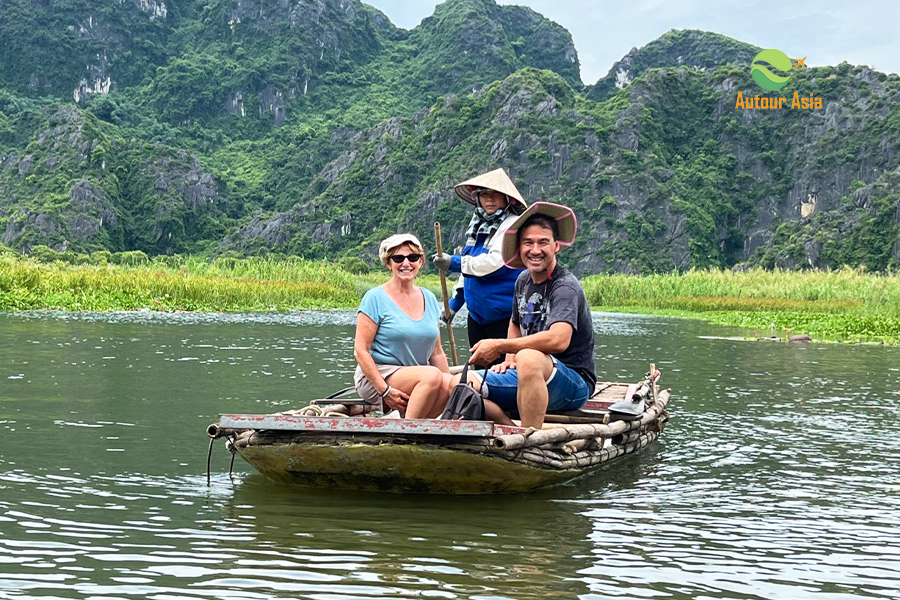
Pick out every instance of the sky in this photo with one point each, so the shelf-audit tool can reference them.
(827, 32)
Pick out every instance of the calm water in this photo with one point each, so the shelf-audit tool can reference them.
(779, 476)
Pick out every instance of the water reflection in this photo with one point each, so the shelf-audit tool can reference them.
(777, 477)
(469, 546)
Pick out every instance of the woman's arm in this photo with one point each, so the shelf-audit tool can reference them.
(366, 329)
(362, 346)
(438, 358)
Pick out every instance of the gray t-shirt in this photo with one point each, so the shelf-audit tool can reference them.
(559, 299)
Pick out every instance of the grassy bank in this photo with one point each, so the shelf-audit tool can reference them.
(845, 305)
(848, 305)
(189, 284)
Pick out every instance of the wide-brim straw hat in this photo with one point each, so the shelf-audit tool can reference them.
(565, 220)
(496, 180)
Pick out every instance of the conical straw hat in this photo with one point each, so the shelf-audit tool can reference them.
(565, 220)
(496, 180)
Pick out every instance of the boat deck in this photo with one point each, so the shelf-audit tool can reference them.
(596, 410)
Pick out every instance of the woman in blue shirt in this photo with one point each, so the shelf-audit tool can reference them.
(402, 364)
(486, 284)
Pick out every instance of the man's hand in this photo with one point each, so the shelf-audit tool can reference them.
(509, 363)
(442, 261)
(486, 351)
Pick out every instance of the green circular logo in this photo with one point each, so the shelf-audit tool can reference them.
(765, 78)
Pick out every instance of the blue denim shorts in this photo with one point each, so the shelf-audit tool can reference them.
(567, 389)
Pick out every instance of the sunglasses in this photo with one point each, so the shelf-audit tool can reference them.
(399, 258)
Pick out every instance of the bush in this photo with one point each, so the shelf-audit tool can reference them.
(101, 257)
(74, 258)
(132, 258)
(227, 260)
(44, 254)
(354, 265)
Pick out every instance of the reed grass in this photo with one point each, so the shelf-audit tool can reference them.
(848, 304)
(194, 285)
(186, 283)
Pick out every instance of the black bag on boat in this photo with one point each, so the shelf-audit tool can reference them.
(465, 403)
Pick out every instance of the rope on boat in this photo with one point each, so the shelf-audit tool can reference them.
(209, 463)
(229, 444)
(527, 434)
(323, 410)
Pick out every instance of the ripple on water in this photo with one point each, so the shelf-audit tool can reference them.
(306, 318)
(778, 476)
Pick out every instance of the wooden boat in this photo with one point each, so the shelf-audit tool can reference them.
(338, 443)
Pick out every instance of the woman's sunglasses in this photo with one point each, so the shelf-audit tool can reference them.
(399, 258)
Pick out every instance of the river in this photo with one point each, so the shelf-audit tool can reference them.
(778, 476)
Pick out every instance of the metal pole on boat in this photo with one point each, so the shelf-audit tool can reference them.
(440, 250)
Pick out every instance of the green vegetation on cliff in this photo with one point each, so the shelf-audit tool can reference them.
(696, 50)
(316, 127)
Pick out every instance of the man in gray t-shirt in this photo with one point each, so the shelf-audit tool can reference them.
(549, 348)
(559, 299)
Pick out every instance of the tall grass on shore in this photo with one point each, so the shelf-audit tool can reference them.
(848, 304)
(230, 285)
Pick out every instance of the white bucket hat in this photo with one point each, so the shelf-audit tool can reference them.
(395, 241)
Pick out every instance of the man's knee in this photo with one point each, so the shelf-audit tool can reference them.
(532, 362)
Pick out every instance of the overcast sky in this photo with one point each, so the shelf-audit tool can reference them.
(827, 32)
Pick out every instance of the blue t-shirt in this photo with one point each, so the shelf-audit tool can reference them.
(401, 340)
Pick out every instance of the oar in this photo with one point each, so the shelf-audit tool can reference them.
(447, 314)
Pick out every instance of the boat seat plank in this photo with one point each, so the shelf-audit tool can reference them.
(282, 422)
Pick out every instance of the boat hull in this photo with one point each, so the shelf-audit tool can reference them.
(404, 467)
(342, 446)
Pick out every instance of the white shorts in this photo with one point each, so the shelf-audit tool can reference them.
(364, 387)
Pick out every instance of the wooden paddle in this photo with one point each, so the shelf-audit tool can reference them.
(447, 314)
